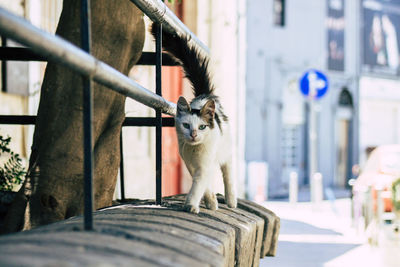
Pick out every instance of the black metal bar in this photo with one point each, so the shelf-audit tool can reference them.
(138, 121)
(17, 119)
(87, 120)
(3, 67)
(121, 167)
(20, 54)
(27, 54)
(129, 121)
(158, 117)
(148, 58)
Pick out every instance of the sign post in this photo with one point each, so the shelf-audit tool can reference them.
(313, 85)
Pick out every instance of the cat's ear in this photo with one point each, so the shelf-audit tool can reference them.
(207, 112)
(183, 105)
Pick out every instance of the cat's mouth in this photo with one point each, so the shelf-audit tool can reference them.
(192, 141)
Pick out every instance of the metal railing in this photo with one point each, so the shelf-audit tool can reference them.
(157, 11)
(43, 46)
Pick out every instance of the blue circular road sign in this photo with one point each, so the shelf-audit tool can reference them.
(314, 84)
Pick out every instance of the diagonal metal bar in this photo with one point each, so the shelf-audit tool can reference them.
(157, 11)
(57, 49)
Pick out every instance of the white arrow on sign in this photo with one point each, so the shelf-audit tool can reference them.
(315, 84)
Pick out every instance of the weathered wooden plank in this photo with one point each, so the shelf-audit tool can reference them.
(142, 234)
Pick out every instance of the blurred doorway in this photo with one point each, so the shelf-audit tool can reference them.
(344, 116)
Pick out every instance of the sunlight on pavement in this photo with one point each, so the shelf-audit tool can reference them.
(326, 239)
(367, 256)
(322, 235)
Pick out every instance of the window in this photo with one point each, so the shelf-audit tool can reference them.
(279, 12)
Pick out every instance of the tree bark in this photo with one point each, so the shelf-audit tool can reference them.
(54, 190)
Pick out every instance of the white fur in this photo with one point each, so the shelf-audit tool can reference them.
(203, 155)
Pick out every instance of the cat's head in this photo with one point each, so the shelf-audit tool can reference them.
(194, 123)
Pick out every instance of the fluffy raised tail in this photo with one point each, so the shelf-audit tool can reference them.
(194, 64)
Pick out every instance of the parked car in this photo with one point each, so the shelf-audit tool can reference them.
(379, 172)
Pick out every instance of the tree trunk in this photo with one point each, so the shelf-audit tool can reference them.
(55, 188)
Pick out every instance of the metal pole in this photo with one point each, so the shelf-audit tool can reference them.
(121, 167)
(312, 147)
(3, 67)
(318, 187)
(313, 137)
(87, 120)
(368, 208)
(63, 52)
(158, 117)
(379, 207)
(293, 187)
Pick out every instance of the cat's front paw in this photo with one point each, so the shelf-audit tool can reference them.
(211, 204)
(191, 208)
(232, 202)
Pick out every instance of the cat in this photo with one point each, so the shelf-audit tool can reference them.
(202, 127)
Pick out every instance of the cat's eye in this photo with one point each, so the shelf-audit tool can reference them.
(186, 125)
(202, 127)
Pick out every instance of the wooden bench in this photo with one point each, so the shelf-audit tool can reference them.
(139, 233)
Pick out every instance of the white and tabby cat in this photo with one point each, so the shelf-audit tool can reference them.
(202, 128)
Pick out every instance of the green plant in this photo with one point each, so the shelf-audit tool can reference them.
(12, 172)
(396, 194)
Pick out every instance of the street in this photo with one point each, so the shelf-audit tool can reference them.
(322, 235)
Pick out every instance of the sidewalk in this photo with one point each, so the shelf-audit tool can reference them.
(321, 235)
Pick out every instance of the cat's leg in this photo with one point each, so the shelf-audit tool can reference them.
(229, 185)
(199, 186)
(210, 200)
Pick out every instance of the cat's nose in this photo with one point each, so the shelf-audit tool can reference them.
(193, 134)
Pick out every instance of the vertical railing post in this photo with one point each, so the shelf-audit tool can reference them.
(87, 120)
(4, 67)
(158, 116)
(121, 167)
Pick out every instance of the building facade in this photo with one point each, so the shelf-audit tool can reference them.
(284, 40)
